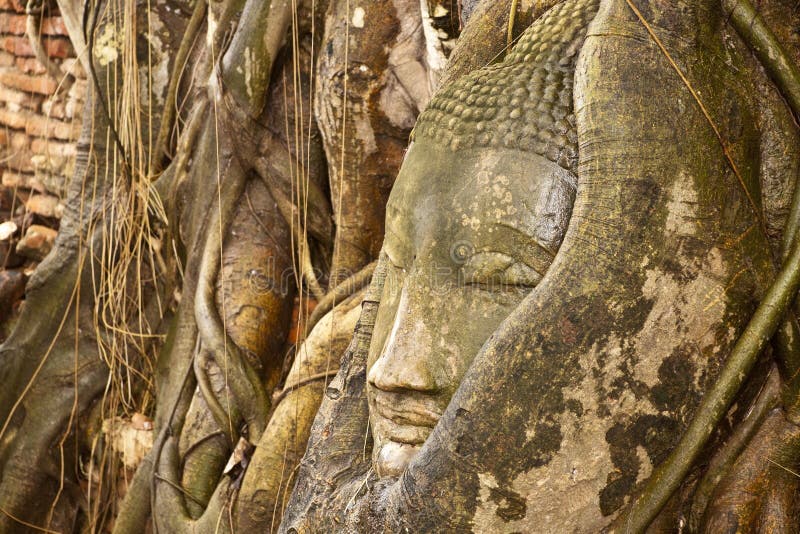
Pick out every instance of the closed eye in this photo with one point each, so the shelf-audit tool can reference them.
(497, 271)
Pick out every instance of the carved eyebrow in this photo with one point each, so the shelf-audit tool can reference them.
(521, 246)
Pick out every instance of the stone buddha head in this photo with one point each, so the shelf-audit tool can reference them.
(476, 216)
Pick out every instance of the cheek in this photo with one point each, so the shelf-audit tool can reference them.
(471, 318)
(461, 326)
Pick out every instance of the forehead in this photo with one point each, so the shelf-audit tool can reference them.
(481, 187)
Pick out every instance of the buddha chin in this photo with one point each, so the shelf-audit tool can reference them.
(401, 424)
(393, 458)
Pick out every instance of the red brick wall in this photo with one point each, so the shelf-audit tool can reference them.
(39, 123)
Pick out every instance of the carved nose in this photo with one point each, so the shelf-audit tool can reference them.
(405, 362)
(393, 372)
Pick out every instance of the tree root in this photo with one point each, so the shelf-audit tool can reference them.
(246, 386)
(288, 388)
(670, 474)
(758, 492)
(170, 499)
(270, 476)
(177, 172)
(292, 216)
(763, 326)
(160, 151)
(339, 293)
(724, 459)
(781, 69)
(222, 417)
(261, 33)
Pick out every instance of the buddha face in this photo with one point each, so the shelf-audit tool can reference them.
(468, 235)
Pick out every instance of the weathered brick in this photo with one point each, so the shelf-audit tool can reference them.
(37, 242)
(18, 46)
(58, 47)
(7, 230)
(19, 161)
(13, 5)
(15, 24)
(44, 85)
(55, 47)
(49, 147)
(12, 23)
(29, 65)
(44, 205)
(73, 66)
(54, 108)
(73, 108)
(49, 164)
(36, 143)
(78, 89)
(40, 126)
(13, 96)
(13, 119)
(6, 59)
(19, 141)
(25, 181)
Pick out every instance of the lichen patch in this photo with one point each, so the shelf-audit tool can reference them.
(358, 17)
(107, 46)
(705, 295)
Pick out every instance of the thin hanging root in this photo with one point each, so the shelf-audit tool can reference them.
(727, 455)
(168, 117)
(512, 18)
(244, 382)
(339, 293)
(290, 213)
(221, 416)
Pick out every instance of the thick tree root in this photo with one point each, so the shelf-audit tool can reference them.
(764, 324)
(270, 475)
(160, 151)
(291, 214)
(170, 500)
(725, 457)
(340, 293)
(222, 417)
(244, 383)
(759, 492)
(670, 474)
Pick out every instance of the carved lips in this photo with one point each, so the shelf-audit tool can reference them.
(404, 418)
